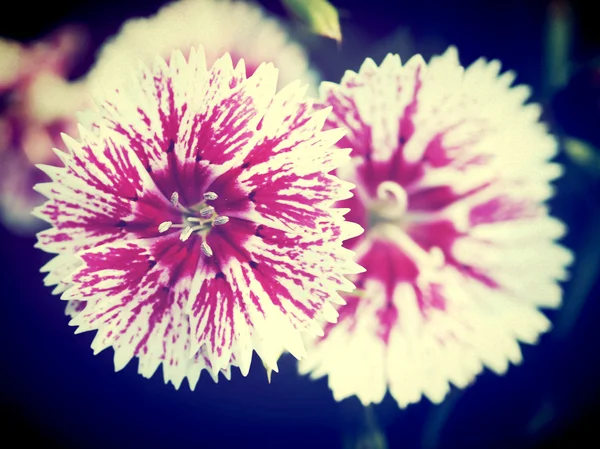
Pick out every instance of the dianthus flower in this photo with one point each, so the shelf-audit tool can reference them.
(37, 104)
(242, 29)
(452, 170)
(194, 221)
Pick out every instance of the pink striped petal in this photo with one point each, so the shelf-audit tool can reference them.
(274, 285)
(139, 289)
(451, 172)
(196, 220)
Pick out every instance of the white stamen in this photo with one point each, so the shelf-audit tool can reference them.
(175, 199)
(164, 226)
(206, 249)
(185, 234)
(195, 219)
(209, 196)
(396, 235)
(221, 220)
(206, 211)
(394, 189)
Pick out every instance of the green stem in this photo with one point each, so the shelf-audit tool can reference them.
(367, 433)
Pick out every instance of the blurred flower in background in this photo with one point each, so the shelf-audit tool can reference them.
(37, 104)
(319, 16)
(242, 29)
(195, 221)
(452, 170)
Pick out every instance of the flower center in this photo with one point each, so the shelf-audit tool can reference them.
(390, 206)
(389, 218)
(198, 219)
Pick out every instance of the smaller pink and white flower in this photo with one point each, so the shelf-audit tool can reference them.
(194, 223)
(452, 170)
(242, 29)
(39, 104)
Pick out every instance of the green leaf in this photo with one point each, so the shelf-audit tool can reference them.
(583, 154)
(559, 37)
(320, 16)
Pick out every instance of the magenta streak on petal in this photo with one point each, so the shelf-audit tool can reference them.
(399, 268)
(102, 219)
(123, 195)
(234, 114)
(232, 199)
(267, 196)
(183, 258)
(437, 198)
(250, 67)
(267, 148)
(75, 306)
(123, 177)
(389, 266)
(372, 173)
(165, 174)
(439, 155)
(269, 271)
(139, 285)
(103, 226)
(144, 117)
(432, 199)
(359, 140)
(154, 152)
(210, 144)
(172, 117)
(228, 245)
(228, 241)
(443, 234)
(220, 336)
(436, 154)
(133, 259)
(502, 209)
(402, 172)
(212, 311)
(407, 127)
(387, 318)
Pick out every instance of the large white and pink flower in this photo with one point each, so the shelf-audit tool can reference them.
(240, 28)
(195, 221)
(37, 104)
(452, 170)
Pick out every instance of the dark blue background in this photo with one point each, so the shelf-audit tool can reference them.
(53, 391)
